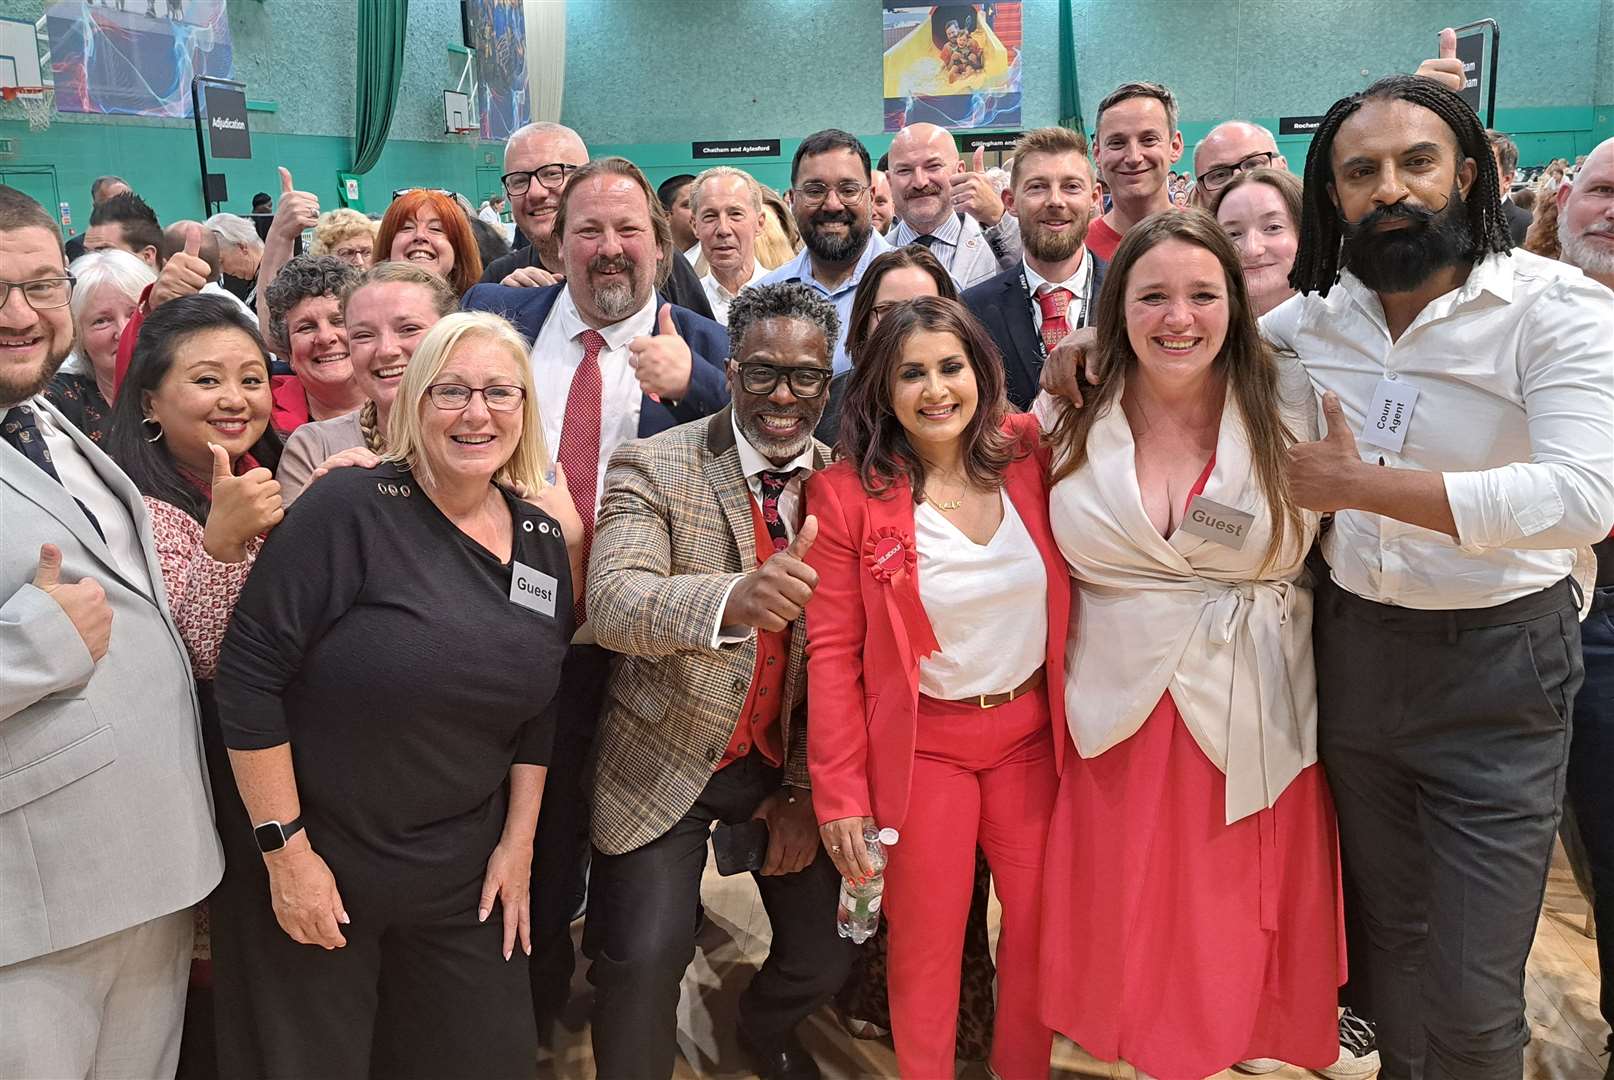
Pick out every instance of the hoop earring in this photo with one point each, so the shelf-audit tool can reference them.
(144, 420)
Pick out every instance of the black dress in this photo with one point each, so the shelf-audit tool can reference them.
(385, 646)
(78, 397)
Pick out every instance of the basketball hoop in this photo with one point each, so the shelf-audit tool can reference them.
(36, 104)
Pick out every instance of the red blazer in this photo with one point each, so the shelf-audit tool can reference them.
(866, 628)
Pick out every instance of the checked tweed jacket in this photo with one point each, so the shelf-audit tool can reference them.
(674, 530)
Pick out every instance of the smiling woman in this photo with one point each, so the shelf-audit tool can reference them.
(428, 229)
(306, 328)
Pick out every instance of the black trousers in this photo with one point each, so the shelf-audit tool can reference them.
(1445, 736)
(642, 906)
(560, 849)
(1591, 767)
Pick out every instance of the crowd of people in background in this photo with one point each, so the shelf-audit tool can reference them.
(1214, 565)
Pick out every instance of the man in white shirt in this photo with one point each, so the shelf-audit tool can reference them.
(1469, 453)
(930, 189)
(106, 825)
(829, 196)
(727, 205)
(1033, 304)
(492, 210)
(612, 361)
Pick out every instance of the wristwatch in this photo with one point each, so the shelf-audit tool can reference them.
(272, 835)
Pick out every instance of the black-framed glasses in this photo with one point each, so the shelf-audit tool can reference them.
(454, 397)
(850, 191)
(1222, 175)
(761, 379)
(401, 192)
(551, 176)
(41, 294)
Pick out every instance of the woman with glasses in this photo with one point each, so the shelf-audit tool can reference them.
(346, 234)
(387, 313)
(386, 689)
(427, 228)
(934, 636)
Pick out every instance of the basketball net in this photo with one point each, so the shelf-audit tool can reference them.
(36, 104)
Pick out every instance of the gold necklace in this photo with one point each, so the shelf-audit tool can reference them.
(949, 505)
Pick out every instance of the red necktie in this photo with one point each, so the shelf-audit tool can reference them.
(1054, 303)
(579, 452)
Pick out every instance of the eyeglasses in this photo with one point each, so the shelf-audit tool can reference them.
(454, 397)
(850, 191)
(1222, 175)
(551, 176)
(761, 379)
(42, 294)
(401, 192)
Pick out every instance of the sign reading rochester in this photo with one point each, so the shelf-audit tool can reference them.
(226, 108)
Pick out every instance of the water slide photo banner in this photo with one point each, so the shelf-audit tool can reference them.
(136, 57)
(956, 65)
(497, 32)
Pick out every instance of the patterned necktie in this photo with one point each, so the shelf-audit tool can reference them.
(773, 486)
(579, 452)
(20, 431)
(924, 241)
(1055, 303)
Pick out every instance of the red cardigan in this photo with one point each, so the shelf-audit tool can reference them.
(867, 628)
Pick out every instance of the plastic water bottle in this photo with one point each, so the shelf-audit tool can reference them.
(859, 914)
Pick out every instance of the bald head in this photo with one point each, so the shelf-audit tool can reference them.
(175, 236)
(1586, 216)
(923, 159)
(1226, 146)
(534, 147)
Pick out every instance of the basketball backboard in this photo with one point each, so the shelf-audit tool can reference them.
(457, 118)
(19, 54)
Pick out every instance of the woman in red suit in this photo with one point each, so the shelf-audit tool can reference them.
(935, 633)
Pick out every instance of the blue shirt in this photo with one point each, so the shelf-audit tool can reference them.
(801, 269)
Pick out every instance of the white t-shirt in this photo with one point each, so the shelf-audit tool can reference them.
(987, 603)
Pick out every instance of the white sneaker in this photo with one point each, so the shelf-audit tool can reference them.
(1258, 1066)
(1358, 1053)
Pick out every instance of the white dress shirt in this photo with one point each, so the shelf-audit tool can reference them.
(1077, 283)
(753, 464)
(987, 603)
(556, 356)
(720, 298)
(1515, 378)
(82, 482)
(213, 288)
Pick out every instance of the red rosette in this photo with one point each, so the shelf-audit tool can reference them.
(888, 553)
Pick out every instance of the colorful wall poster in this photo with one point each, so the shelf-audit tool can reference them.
(136, 57)
(496, 30)
(956, 65)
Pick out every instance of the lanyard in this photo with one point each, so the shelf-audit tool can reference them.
(1031, 303)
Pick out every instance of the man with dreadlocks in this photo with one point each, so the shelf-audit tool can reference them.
(1469, 453)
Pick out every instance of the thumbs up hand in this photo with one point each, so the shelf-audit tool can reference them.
(296, 211)
(83, 602)
(185, 272)
(772, 596)
(242, 507)
(662, 361)
(1446, 69)
(1322, 474)
(973, 193)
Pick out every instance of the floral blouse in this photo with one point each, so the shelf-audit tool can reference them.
(78, 398)
(201, 590)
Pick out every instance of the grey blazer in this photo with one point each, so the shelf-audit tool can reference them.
(106, 820)
(974, 261)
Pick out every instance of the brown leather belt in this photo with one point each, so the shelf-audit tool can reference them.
(992, 701)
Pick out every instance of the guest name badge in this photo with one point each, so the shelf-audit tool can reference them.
(1217, 523)
(1389, 414)
(533, 589)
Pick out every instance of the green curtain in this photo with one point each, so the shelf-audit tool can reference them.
(1070, 98)
(381, 50)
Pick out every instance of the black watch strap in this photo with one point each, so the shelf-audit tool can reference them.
(272, 835)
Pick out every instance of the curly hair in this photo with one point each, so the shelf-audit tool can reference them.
(302, 277)
(1322, 234)
(786, 300)
(339, 225)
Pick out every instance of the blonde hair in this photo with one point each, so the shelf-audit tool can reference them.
(525, 466)
(335, 226)
(776, 246)
(444, 301)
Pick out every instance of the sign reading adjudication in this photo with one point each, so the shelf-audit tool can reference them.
(227, 132)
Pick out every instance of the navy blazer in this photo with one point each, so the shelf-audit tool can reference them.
(708, 342)
(1002, 308)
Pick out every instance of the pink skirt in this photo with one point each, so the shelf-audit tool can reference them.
(1177, 942)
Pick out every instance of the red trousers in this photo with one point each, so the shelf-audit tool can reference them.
(987, 776)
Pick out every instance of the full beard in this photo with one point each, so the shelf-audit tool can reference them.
(1052, 247)
(1401, 260)
(18, 386)
(1580, 252)
(617, 299)
(835, 249)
